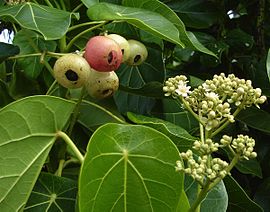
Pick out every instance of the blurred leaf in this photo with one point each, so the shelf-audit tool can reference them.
(197, 13)
(268, 64)
(182, 139)
(89, 3)
(262, 196)
(130, 168)
(251, 166)
(255, 118)
(8, 50)
(175, 114)
(30, 42)
(28, 130)
(134, 103)
(239, 40)
(52, 193)
(187, 38)
(21, 86)
(93, 116)
(5, 97)
(144, 19)
(151, 89)
(50, 22)
(216, 199)
(238, 199)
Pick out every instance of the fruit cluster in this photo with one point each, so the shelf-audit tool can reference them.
(95, 69)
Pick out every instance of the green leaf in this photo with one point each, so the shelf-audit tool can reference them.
(93, 116)
(22, 86)
(251, 166)
(182, 139)
(197, 13)
(28, 130)
(151, 89)
(31, 42)
(186, 37)
(255, 118)
(89, 3)
(129, 168)
(144, 19)
(135, 103)
(268, 64)
(238, 199)
(174, 113)
(262, 196)
(183, 204)
(5, 97)
(239, 40)
(216, 199)
(50, 22)
(8, 50)
(52, 193)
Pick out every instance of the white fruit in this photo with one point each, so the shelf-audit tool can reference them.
(101, 85)
(71, 71)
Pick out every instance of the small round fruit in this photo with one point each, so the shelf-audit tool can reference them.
(138, 53)
(103, 54)
(123, 43)
(71, 71)
(101, 85)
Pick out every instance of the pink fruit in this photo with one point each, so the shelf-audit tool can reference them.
(103, 54)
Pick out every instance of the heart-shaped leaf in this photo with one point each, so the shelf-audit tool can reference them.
(52, 193)
(8, 50)
(50, 22)
(31, 42)
(129, 168)
(144, 19)
(28, 130)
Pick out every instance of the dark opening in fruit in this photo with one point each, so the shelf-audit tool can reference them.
(71, 71)
(137, 58)
(72, 75)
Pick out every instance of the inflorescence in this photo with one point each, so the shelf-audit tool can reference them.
(215, 103)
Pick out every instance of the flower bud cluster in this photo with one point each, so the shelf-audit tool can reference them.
(210, 107)
(244, 146)
(205, 167)
(205, 148)
(212, 100)
(201, 169)
(176, 86)
(235, 90)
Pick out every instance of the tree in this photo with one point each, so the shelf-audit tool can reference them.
(167, 139)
